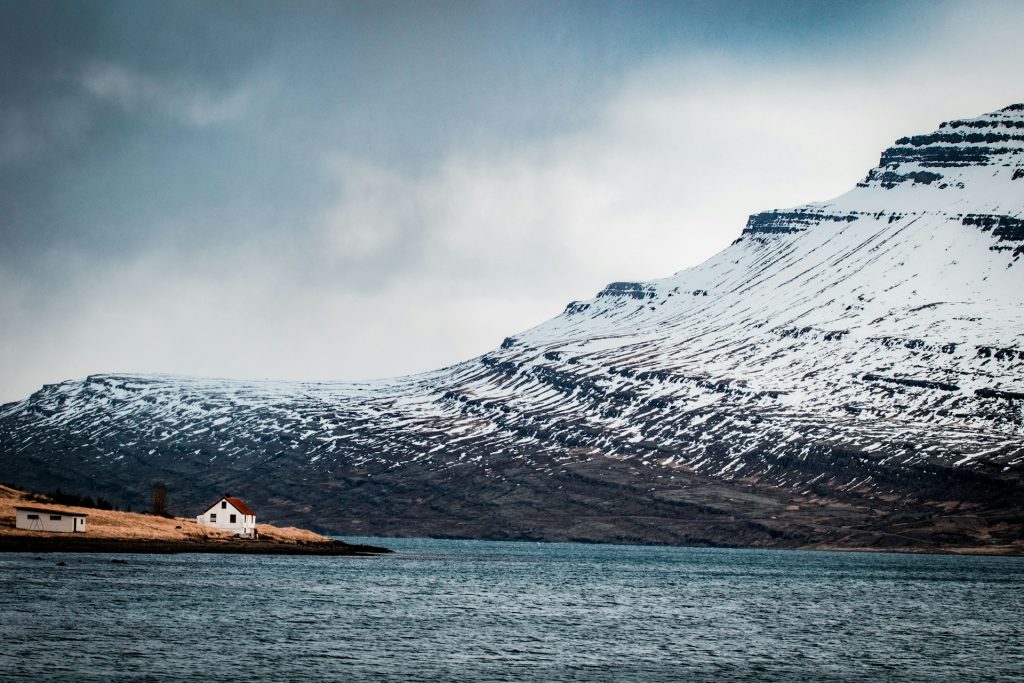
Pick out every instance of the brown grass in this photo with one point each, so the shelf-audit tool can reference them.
(133, 525)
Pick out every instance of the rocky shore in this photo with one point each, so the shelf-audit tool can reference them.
(64, 543)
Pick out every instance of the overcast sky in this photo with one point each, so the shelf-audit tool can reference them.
(348, 190)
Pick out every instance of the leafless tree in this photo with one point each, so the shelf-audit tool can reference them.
(159, 499)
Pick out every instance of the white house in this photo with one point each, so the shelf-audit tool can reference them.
(230, 514)
(43, 519)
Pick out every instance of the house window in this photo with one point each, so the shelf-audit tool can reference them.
(213, 516)
(232, 519)
(54, 517)
(33, 516)
(223, 505)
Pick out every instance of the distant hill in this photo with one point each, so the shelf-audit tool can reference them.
(847, 373)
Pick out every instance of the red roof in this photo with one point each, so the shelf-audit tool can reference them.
(240, 506)
(236, 502)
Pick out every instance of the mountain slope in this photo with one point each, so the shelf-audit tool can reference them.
(846, 373)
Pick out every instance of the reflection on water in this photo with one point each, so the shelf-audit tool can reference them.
(473, 610)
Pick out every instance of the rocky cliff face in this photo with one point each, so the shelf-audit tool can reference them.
(846, 373)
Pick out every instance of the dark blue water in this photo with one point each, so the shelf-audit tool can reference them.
(469, 610)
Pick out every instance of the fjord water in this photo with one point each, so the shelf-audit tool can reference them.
(475, 610)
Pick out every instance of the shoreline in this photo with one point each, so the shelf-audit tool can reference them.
(60, 544)
(951, 550)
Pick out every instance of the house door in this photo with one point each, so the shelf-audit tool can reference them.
(74, 524)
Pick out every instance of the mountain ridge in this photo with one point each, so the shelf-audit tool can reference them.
(851, 371)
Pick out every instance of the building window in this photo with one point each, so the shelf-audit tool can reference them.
(33, 516)
(233, 519)
(223, 505)
(54, 517)
(213, 516)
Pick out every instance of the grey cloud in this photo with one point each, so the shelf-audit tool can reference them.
(188, 103)
(27, 133)
(356, 189)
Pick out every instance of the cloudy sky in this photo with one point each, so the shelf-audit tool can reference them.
(347, 190)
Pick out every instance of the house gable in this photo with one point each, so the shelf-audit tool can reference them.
(230, 514)
(230, 505)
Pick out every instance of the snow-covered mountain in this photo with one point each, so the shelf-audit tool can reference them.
(848, 372)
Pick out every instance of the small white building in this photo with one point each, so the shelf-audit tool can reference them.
(44, 519)
(230, 514)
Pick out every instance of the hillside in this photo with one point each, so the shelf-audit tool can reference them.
(847, 373)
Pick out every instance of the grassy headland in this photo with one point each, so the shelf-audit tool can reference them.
(131, 532)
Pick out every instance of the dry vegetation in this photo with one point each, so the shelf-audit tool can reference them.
(127, 526)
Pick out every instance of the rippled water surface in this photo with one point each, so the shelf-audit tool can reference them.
(472, 610)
